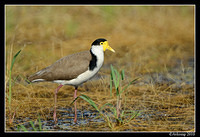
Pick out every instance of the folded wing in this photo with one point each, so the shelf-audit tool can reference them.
(66, 68)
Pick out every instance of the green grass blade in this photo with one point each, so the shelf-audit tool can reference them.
(40, 124)
(113, 109)
(18, 128)
(122, 74)
(10, 87)
(33, 126)
(107, 104)
(117, 81)
(113, 76)
(128, 85)
(122, 114)
(108, 122)
(74, 100)
(90, 101)
(23, 128)
(16, 78)
(116, 78)
(133, 116)
(13, 61)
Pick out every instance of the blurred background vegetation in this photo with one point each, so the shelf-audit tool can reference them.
(147, 37)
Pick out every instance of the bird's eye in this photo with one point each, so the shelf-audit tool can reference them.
(101, 43)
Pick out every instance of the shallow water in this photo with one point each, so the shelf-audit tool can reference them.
(178, 75)
(65, 122)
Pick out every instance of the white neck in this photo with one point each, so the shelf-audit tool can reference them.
(99, 53)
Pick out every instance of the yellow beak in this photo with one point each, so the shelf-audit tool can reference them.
(106, 46)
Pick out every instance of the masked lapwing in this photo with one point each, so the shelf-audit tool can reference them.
(74, 69)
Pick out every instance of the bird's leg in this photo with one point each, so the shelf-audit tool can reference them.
(55, 99)
(75, 96)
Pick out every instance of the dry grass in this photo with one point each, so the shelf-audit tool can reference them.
(147, 39)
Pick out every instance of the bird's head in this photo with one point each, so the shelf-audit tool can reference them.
(104, 43)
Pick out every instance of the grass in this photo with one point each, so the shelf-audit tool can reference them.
(33, 125)
(9, 96)
(117, 80)
(147, 42)
(121, 117)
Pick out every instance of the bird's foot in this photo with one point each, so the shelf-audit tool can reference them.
(75, 120)
(55, 118)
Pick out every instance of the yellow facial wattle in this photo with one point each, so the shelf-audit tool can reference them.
(106, 46)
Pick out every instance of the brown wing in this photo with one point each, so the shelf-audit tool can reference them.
(66, 68)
